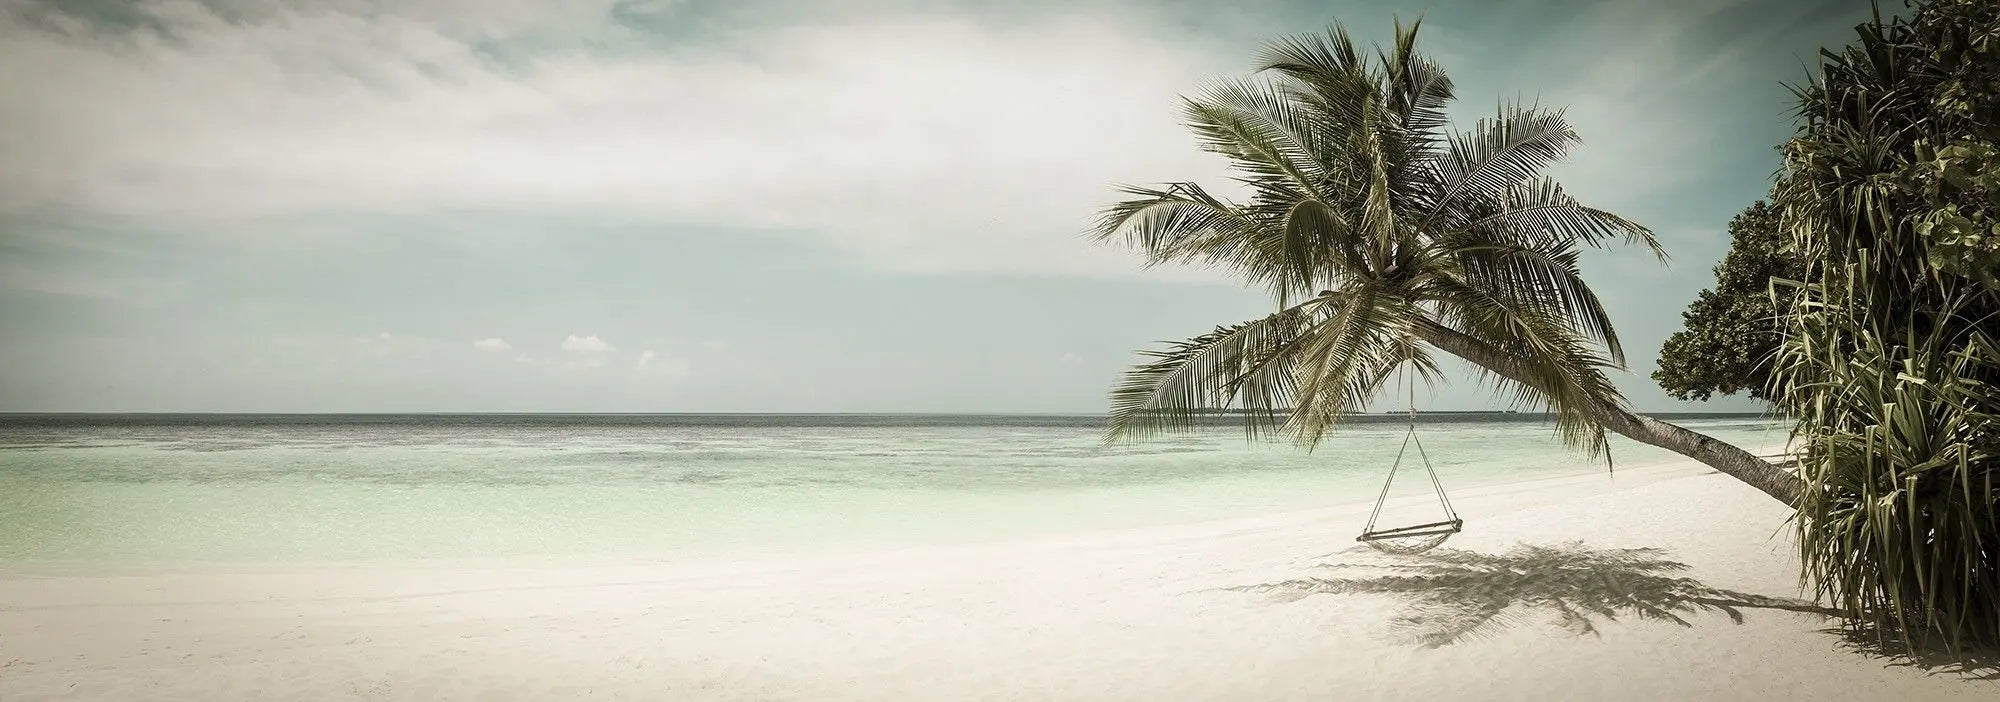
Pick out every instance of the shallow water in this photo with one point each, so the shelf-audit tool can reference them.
(169, 489)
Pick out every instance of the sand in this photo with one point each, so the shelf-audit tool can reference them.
(1126, 615)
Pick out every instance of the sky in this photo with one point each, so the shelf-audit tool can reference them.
(744, 205)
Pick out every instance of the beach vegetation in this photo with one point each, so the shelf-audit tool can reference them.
(1729, 334)
(1890, 352)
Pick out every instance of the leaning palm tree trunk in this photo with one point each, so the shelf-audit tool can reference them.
(1375, 226)
(1731, 460)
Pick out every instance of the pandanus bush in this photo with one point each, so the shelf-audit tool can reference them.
(1891, 355)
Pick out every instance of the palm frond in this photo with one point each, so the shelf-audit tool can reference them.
(1197, 378)
(1543, 276)
(1179, 224)
(1255, 124)
(1348, 358)
(1421, 93)
(1327, 77)
(1540, 208)
(1328, 62)
(1501, 153)
(1564, 376)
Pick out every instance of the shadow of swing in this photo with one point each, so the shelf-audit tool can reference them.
(1452, 595)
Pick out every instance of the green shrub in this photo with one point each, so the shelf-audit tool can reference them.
(1889, 360)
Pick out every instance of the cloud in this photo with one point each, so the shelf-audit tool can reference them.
(928, 141)
(587, 344)
(493, 345)
(586, 351)
(652, 363)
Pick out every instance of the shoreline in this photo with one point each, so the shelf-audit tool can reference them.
(1143, 613)
(1354, 509)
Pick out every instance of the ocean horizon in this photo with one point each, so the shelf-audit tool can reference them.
(830, 418)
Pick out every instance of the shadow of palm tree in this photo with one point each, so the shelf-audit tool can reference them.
(1453, 595)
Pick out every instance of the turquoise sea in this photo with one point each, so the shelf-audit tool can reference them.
(167, 489)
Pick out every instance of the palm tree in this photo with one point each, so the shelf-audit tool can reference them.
(1383, 237)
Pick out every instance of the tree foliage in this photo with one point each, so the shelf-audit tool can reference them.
(1375, 226)
(1891, 354)
(1730, 332)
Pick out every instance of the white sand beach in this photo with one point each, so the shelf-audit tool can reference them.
(1124, 615)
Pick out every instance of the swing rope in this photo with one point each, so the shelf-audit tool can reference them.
(1416, 538)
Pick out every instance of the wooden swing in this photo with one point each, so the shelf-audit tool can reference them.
(1415, 538)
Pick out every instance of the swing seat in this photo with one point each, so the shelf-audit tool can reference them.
(1448, 527)
(1411, 540)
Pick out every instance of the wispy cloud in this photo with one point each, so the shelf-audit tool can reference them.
(586, 351)
(655, 364)
(587, 344)
(918, 140)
